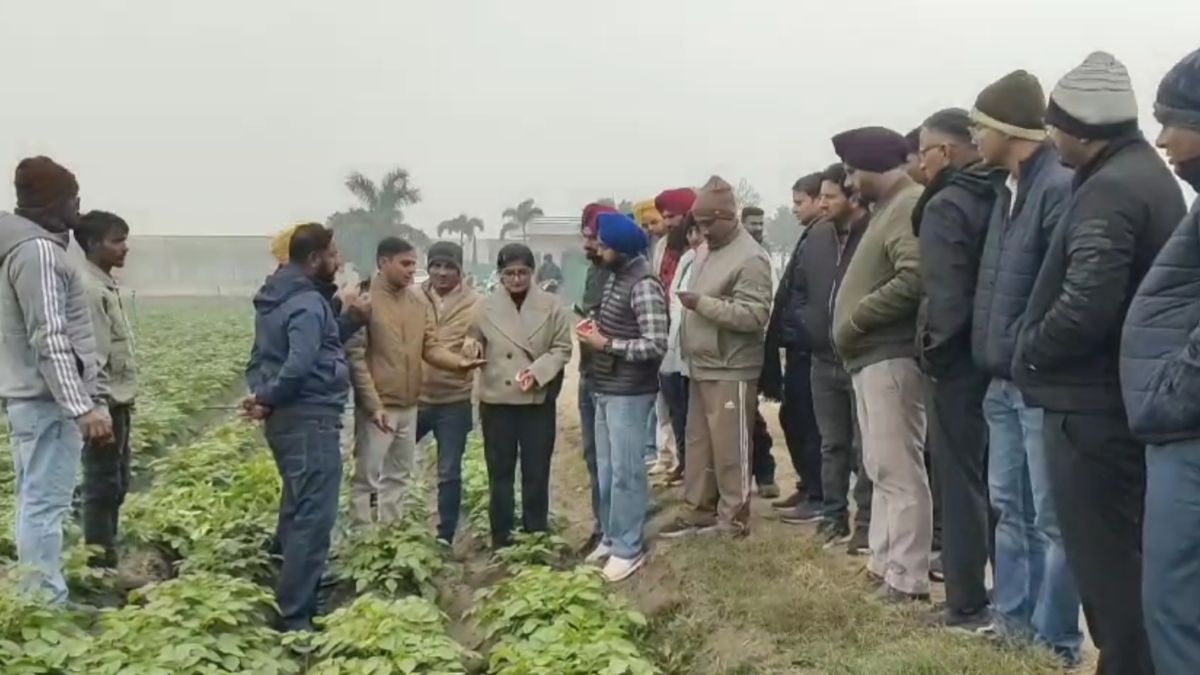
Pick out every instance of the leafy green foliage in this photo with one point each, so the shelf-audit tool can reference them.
(534, 548)
(563, 649)
(536, 597)
(395, 559)
(373, 635)
(202, 623)
(213, 504)
(34, 638)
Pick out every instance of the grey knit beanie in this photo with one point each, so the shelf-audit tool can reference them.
(1095, 100)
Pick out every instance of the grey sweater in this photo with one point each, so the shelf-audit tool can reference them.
(47, 346)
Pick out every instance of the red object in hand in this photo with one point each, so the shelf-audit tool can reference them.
(587, 326)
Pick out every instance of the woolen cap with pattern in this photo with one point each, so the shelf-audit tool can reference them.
(872, 149)
(1178, 101)
(1095, 100)
(715, 201)
(1014, 105)
(445, 252)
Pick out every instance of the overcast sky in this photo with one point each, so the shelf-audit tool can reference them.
(240, 116)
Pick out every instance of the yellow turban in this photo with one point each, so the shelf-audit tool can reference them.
(643, 211)
(280, 244)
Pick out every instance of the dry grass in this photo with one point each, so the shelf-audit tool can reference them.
(774, 603)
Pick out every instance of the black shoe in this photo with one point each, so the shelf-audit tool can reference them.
(792, 502)
(806, 512)
(962, 622)
(859, 544)
(892, 596)
(832, 532)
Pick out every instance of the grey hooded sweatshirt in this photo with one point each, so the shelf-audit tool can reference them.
(47, 347)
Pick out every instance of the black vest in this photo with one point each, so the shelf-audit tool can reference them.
(616, 320)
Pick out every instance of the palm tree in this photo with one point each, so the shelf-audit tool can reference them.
(380, 214)
(466, 228)
(519, 217)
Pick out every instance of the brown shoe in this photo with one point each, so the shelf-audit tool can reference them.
(792, 502)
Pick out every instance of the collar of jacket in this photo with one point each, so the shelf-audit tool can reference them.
(1189, 171)
(450, 299)
(1031, 167)
(386, 286)
(940, 181)
(1111, 149)
(100, 275)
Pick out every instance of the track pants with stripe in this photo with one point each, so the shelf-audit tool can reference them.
(717, 475)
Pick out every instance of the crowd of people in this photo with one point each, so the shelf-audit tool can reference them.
(984, 338)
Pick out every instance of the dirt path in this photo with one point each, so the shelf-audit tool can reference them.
(774, 603)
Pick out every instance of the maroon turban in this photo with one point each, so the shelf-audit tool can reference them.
(40, 183)
(588, 223)
(677, 202)
(873, 149)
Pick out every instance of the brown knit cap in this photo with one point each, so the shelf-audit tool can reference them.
(40, 182)
(715, 201)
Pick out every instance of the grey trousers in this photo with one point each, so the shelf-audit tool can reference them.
(841, 445)
(384, 464)
(891, 418)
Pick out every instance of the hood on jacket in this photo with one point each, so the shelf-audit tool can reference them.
(15, 230)
(284, 284)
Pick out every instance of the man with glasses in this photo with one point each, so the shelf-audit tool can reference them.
(950, 222)
(1034, 594)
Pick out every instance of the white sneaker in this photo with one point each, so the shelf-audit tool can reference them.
(598, 554)
(620, 569)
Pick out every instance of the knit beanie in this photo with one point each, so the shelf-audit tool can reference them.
(619, 233)
(445, 252)
(1014, 105)
(1095, 100)
(715, 201)
(1178, 100)
(588, 222)
(643, 211)
(873, 149)
(281, 243)
(677, 201)
(40, 182)
(954, 122)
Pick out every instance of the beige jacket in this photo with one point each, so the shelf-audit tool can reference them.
(538, 337)
(386, 355)
(453, 316)
(114, 337)
(722, 339)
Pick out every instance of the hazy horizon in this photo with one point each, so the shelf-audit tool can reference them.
(240, 117)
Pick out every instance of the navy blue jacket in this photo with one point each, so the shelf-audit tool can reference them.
(1124, 205)
(298, 358)
(1160, 344)
(1012, 256)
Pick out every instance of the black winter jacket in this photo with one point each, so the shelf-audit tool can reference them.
(951, 225)
(1160, 344)
(1012, 255)
(1124, 205)
(825, 258)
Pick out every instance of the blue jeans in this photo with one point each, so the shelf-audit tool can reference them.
(651, 451)
(46, 447)
(587, 429)
(1171, 556)
(450, 423)
(306, 450)
(1033, 587)
(624, 490)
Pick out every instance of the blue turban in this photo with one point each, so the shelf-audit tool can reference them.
(619, 233)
